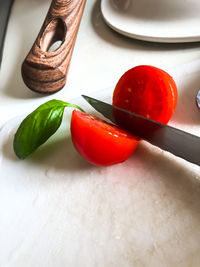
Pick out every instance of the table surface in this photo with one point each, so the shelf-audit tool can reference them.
(100, 56)
(58, 210)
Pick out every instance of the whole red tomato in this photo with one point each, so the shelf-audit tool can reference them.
(99, 142)
(147, 91)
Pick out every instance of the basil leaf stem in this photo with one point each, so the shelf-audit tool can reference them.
(38, 126)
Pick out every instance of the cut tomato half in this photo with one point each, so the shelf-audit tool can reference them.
(99, 142)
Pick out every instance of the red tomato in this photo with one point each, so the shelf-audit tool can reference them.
(148, 91)
(99, 142)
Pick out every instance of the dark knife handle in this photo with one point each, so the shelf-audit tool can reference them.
(44, 70)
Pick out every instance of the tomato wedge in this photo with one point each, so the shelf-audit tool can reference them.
(99, 142)
(148, 91)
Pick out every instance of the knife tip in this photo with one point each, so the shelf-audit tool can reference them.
(84, 96)
(87, 98)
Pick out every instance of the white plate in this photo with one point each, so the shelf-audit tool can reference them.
(58, 210)
(154, 20)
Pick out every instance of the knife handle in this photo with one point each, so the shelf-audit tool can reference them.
(45, 68)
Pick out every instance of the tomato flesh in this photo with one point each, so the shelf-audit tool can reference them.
(99, 142)
(147, 91)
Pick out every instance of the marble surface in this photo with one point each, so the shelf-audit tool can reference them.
(100, 56)
(58, 210)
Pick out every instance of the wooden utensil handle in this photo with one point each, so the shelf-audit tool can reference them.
(44, 70)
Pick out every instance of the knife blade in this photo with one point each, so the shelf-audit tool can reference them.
(173, 140)
(5, 8)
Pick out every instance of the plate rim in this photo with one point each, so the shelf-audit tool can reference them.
(142, 37)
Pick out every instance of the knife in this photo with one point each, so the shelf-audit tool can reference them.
(178, 142)
(5, 8)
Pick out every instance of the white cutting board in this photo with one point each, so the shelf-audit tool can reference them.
(58, 210)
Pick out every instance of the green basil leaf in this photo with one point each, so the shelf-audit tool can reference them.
(38, 126)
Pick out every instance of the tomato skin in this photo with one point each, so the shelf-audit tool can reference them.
(99, 142)
(147, 91)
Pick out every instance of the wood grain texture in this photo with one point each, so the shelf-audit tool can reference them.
(43, 70)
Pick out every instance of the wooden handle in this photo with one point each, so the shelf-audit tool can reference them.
(44, 70)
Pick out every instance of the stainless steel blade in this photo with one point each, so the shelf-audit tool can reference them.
(179, 143)
(5, 8)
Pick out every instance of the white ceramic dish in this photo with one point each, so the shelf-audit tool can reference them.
(58, 210)
(154, 20)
